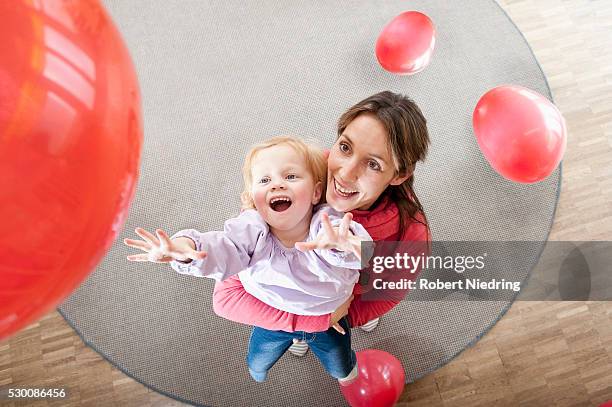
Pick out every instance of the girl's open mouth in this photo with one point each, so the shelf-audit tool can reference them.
(280, 204)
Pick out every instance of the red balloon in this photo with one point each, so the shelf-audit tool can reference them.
(406, 44)
(520, 132)
(380, 382)
(70, 140)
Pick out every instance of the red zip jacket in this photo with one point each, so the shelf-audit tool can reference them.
(231, 301)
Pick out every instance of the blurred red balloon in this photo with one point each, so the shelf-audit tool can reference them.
(380, 382)
(406, 44)
(70, 139)
(520, 132)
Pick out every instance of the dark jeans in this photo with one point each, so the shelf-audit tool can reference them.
(331, 348)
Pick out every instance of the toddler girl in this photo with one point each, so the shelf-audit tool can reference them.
(284, 180)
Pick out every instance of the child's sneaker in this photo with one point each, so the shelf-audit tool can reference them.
(370, 325)
(298, 348)
(350, 379)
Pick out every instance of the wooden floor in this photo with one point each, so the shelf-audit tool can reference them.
(539, 354)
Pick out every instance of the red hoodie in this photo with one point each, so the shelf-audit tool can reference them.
(231, 301)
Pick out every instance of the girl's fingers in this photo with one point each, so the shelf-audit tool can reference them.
(148, 237)
(164, 240)
(338, 328)
(327, 226)
(137, 244)
(345, 225)
(153, 257)
(138, 257)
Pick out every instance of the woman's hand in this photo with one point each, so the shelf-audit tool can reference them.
(340, 313)
(162, 249)
(334, 238)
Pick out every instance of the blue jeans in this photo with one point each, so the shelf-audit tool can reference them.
(331, 348)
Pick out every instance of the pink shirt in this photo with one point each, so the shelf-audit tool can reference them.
(231, 301)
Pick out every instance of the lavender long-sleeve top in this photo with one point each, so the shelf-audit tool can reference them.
(311, 283)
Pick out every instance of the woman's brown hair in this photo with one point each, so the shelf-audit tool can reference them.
(408, 139)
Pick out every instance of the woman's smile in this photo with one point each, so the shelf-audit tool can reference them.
(343, 191)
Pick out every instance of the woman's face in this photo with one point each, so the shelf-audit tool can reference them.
(360, 165)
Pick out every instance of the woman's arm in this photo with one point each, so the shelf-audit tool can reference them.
(231, 301)
(370, 303)
(361, 312)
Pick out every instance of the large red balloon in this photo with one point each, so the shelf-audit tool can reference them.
(406, 44)
(380, 382)
(70, 140)
(520, 132)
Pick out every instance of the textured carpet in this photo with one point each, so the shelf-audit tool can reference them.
(218, 76)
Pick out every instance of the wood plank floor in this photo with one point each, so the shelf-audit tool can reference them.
(539, 354)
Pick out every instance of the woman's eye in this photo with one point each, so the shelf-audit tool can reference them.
(344, 147)
(291, 176)
(374, 165)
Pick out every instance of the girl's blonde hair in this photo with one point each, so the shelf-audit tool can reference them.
(313, 156)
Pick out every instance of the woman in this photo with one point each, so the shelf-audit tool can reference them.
(370, 174)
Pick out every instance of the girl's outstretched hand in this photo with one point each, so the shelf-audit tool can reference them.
(162, 249)
(341, 239)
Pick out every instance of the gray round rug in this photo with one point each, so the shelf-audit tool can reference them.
(219, 76)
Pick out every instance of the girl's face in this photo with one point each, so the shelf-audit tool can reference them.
(360, 165)
(283, 190)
